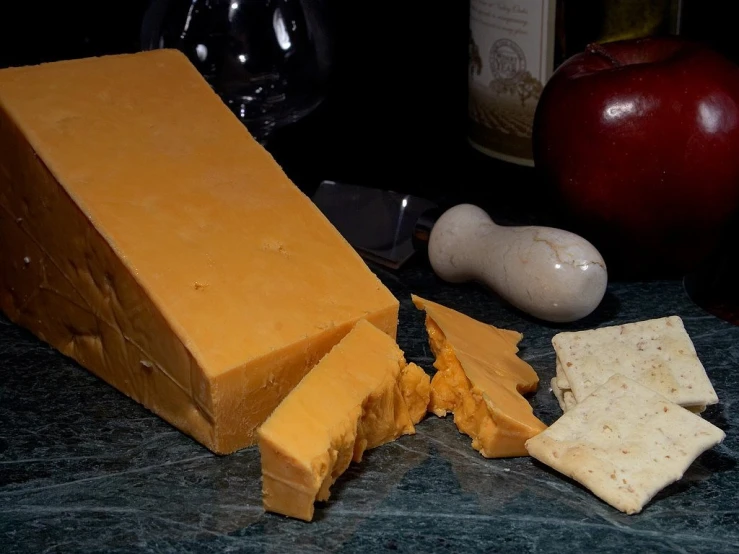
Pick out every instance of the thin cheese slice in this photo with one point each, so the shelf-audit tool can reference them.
(147, 235)
(360, 395)
(481, 380)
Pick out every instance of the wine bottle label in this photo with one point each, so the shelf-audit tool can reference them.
(511, 55)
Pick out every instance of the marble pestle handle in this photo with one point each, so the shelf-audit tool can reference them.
(549, 273)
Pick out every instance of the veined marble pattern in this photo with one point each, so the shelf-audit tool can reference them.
(85, 469)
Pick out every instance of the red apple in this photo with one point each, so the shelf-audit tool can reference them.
(640, 140)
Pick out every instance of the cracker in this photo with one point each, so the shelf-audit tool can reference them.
(561, 389)
(624, 443)
(657, 353)
(564, 396)
(558, 394)
(561, 377)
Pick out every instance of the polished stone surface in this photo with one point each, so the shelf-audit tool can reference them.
(84, 469)
(549, 273)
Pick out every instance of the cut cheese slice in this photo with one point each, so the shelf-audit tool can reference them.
(359, 396)
(481, 380)
(147, 235)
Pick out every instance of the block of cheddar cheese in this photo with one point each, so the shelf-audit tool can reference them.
(147, 235)
(361, 395)
(481, 380)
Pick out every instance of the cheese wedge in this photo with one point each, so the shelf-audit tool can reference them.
(481, 380)
(147, 235)
(359, 396)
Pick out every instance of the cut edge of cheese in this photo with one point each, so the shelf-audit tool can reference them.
(490, 351)
(479, 385)
(361, 395)
(96, 293)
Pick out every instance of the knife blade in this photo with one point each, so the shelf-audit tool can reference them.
(386, 227)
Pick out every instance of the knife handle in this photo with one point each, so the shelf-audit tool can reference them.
(549, 273)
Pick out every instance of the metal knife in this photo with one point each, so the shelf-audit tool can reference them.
(386, 227)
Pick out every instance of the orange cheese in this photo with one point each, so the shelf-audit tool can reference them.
(359, 396)
(147, 235)
(481, 380)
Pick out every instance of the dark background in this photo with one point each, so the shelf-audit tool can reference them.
(399, 82)
(395, 114)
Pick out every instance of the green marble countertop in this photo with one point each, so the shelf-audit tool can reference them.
(85, 469)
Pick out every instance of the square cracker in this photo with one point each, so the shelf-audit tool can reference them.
(560, 376)
(657, 353)
(561, 389)
(624, 443)
(564, 396)
(558, 394)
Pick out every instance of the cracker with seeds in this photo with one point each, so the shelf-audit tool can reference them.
(558, 394)
(564, 396)
(657, 353)
(562, 382)
(563, 393)
(624, 443)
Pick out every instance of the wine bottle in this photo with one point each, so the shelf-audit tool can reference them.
(515, 45)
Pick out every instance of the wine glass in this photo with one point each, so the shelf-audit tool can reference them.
(268, 60)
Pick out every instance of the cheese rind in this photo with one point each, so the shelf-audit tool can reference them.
(359, 396)
(480, 379)
(147, 235)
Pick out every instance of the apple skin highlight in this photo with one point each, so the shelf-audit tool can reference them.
(639, 140)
